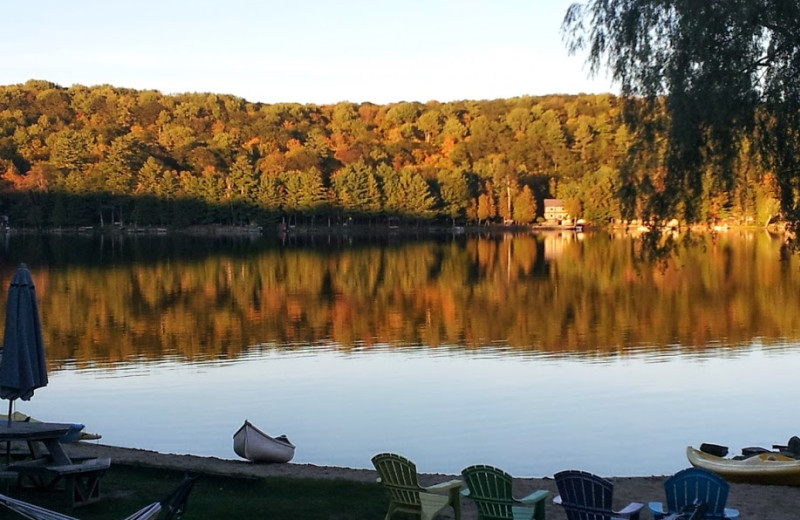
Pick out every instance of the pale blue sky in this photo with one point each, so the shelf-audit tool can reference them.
(306, 51)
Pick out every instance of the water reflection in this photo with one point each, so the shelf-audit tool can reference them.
(444, 408)
(106, 301)
(533, 353)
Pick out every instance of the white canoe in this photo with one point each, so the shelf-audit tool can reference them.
(252, 444)
(764, 468)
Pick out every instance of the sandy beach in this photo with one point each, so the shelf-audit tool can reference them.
(752, 501)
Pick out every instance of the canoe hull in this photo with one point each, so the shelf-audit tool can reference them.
(766, 468)
(254, 445)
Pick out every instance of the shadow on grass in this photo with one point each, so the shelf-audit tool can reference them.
(126, 489)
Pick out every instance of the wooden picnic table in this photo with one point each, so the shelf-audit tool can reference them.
(43, 432)
(81, 477)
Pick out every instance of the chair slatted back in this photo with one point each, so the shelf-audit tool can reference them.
(399, 476)
(174, 504)
(585, 496)
(490, 488)
(697, 484)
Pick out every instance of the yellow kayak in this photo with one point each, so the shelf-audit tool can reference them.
(764, 468)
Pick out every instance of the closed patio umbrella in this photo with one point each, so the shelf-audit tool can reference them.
(22, 360)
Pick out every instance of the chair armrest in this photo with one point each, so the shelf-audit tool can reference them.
(630, 511)
(656, 509)
(534, 497)
(444, 486)
(557, 500)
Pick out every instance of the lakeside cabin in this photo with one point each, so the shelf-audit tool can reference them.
(555, 212)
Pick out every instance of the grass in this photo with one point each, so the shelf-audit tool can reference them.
(126, 489)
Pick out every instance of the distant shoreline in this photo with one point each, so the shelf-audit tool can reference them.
(282, 231)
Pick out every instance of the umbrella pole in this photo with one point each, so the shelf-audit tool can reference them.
(8, 443)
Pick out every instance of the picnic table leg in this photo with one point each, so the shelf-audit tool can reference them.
(83, 488)
(57, 452)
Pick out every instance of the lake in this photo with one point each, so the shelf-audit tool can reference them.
(534, 353)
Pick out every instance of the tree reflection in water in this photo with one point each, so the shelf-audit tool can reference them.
(109, 300)
(578, 343)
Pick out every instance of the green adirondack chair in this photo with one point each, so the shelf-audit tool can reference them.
(490, 489)
(399, 476)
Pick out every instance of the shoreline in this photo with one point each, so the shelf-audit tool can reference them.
(752, 501)
(383, 229)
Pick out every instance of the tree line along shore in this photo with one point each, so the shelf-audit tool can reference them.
(95, 156)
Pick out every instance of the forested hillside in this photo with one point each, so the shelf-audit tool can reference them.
(102, 155)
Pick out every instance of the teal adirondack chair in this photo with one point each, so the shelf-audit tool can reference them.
(692, 485)
(399, 476)
(490, 489)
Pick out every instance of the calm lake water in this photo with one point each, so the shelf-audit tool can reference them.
(531, 353)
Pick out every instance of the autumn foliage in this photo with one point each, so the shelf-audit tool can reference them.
(98, 155)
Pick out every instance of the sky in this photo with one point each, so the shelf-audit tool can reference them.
(300, 51)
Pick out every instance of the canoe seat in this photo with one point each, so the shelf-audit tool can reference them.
(81, 479)
(695, 485)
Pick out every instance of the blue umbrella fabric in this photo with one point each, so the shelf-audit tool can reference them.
(22, 360)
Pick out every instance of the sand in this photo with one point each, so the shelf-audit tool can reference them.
(752, 501)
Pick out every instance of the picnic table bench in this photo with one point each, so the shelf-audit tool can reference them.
(81, 478)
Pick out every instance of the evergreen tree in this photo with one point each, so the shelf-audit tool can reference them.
(524, 206)
(487, 207)
(453, 193)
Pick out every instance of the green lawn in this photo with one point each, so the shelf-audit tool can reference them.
(126, 489)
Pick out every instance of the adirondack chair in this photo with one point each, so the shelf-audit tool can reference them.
(588, 497)
(692, 485)
(173, 505)
(399, 476)
(490, 489)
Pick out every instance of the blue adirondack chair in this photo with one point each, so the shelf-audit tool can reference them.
(588, 497)
(490, 489)
(692, 485)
